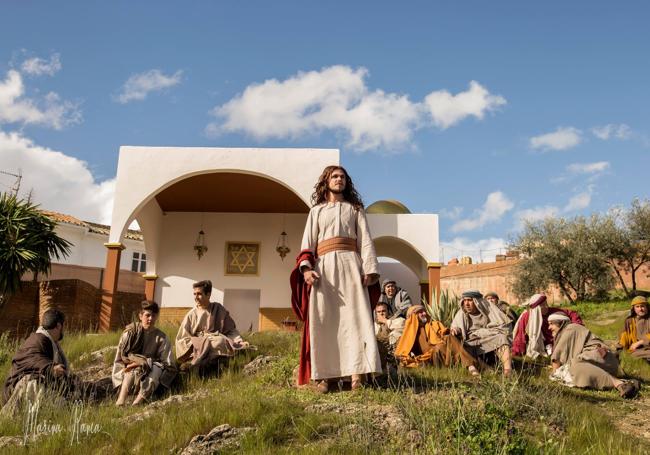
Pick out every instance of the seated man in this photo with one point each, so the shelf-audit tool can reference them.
(425, 341)
(483, 328)
(396, 298)
(144, 357)
(388, 331)
(580, 359)
(493, 297)
(532, 336)
(636, 336)
(39, 364)
(207, 332)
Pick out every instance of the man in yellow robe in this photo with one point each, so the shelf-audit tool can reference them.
(636, 335)
(425, 341)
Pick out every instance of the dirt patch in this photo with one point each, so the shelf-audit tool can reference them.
(259, 363)
(633, 418)
(385, 418)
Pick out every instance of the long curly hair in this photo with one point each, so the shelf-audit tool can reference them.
(349, 193)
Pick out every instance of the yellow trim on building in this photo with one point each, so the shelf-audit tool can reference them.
(114, 245)
(434, 264)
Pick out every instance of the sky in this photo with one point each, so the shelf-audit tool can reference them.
(486, 113)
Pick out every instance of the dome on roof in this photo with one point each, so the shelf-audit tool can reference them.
(387, 207)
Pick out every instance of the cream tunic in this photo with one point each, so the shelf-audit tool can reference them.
(195, 325)
(341, 327)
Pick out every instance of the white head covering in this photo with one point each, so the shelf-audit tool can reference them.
(558, 317)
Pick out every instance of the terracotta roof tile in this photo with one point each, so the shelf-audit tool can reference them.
(92, 227)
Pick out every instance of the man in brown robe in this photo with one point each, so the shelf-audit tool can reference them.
(425, 341)
(636, 335)
(207, 332)
(39, 363)
(580, 359)
(144, 357)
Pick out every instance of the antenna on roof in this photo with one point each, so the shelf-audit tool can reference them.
(16, 187)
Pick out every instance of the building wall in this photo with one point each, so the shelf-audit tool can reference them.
(128, 281)
(498, 276)
(178, 266)
(88, 247)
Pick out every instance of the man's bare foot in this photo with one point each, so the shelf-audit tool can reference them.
(473, 371)
(138, 400)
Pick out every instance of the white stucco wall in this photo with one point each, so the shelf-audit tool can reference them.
(88, 247)
(142, 172)
(178, 266)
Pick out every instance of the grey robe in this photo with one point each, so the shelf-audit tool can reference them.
(577, 347)
(487, 332)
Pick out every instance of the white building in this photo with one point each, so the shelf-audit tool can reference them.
(242, 199)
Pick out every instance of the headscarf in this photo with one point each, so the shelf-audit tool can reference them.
(413, 309)
(492, 294)
(535, 301)
(559, 317)
(497, 320)
(472, 294)
(399, 303)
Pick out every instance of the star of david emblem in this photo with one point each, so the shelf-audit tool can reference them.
(243, 258)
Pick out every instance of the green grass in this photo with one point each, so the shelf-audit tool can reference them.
(451, 412)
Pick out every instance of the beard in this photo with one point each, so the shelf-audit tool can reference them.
(61, 335)
(336, 191)
(423, 319)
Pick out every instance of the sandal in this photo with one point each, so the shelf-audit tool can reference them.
(322, 386)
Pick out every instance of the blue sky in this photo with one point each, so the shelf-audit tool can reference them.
(483, 112)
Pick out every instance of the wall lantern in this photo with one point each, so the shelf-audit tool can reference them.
(283, 245)
(199, 245)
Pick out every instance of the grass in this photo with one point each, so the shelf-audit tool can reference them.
(438, 410)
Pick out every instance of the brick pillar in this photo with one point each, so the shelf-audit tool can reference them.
(434, 278)
(424, 290)
(150, 286)
(107, 318)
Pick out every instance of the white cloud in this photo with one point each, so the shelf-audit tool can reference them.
(620, 131)
(483, 249)
(535, 214)
(337, 98)
(496, 205)
(452, 214)
(51, 111)
(447, 109)
(36, 66)
(581, 200)
(562, 138)
(588, 168)
(60, 182)
(138, 86)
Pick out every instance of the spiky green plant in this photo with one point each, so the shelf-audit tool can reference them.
(443, 308)
(27, 243)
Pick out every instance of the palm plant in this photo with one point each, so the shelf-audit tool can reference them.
(444, 307)
(27, 243)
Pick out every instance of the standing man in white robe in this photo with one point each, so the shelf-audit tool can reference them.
(338, 262)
